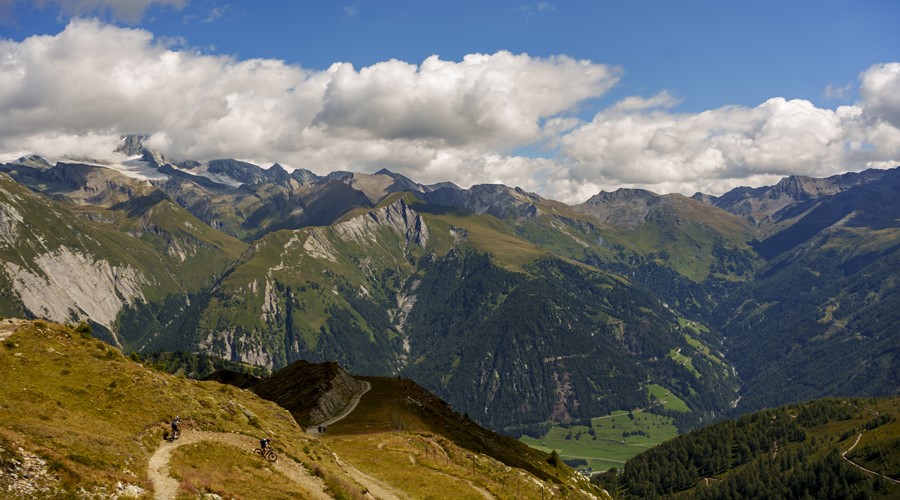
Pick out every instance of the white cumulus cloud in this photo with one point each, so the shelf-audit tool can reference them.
(94, 78)
(638, 142)
(880, 91)
(75, 93)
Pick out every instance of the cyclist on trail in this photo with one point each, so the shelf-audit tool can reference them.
(264, 444)
(176, 427)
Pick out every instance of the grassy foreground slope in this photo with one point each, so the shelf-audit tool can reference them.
(78, 419)
(75, 414)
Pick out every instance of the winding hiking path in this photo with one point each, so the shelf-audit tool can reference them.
(313, 430)
(166, 487)
(844, 456)
(374, 487)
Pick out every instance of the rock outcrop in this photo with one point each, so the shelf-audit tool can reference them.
(398, 216)
(70, 286)
(312, 392)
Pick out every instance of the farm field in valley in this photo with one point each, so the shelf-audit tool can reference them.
(610, 441)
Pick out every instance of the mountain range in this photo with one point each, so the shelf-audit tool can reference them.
(516, 309)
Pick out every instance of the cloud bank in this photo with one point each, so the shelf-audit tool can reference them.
(77, 92)
(129, 11)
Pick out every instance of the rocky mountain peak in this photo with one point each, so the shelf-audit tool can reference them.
(277, 174)
(622, 207)
(798, 187)
(622, 194)
(34, 161)
(303, 176)
(492, 199)
(132, 145)
(763, 204)
(398, 215)
(241, 171)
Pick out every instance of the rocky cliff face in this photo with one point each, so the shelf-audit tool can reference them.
(51, 270)
(397, 216)
(69, 286)
(312, 392)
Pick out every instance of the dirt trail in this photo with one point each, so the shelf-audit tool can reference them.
(375, 487)
(314, 429)
(844, 455)
(166, 487)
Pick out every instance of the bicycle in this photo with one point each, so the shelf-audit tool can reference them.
(268, 453)
(171, 436)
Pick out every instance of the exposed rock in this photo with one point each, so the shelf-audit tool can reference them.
(318, 246)
(26, 476)
(129, 491)
(241, 171)
(398, 216)
(762, 205)
(313, 393)
(132, 145)
(270, 309)
(228, 344)
(492, 199)
(10, 218)
(70, 286)
(380, 184)
(622, 207)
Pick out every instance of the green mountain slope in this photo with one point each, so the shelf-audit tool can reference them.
(817, 449)
(520, 311)
(511, 333)
(559, 343)
(821, 318)
(71, 262)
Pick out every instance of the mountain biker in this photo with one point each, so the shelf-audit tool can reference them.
(176, 427)
(264, 444)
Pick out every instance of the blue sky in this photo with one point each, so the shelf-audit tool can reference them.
(692, 56)
(708, 53)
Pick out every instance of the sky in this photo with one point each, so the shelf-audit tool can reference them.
(564, 99)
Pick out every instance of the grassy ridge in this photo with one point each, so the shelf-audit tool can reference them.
(408, 437)
(96, 416)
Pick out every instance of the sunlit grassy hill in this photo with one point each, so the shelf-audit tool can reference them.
(78, 418)
(405, 435)
(76, 415)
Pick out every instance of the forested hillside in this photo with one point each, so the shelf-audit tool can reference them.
(830, 448)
